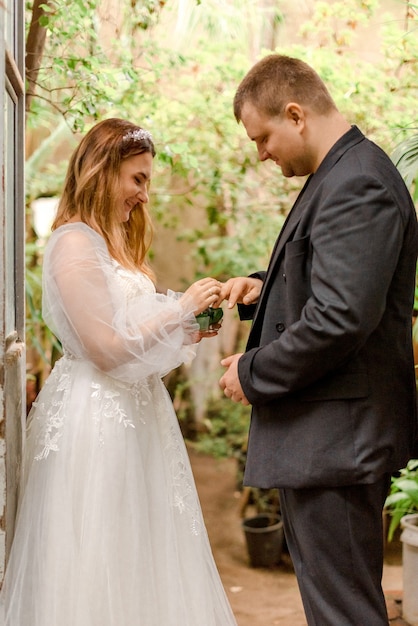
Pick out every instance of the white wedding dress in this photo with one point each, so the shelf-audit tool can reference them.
(110, 530)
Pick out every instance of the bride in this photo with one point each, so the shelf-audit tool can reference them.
(110, 530)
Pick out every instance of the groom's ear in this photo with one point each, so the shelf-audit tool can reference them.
(295, 113)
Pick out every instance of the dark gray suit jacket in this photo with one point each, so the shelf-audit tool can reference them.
(329, 364)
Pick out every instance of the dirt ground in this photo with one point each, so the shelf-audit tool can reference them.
(258, 596)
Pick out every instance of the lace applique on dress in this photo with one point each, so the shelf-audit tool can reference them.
(142, 393)
(184, 496)
(107, 406)
(54, 416)
(106, 398)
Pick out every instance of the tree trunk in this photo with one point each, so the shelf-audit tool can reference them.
(34, 48)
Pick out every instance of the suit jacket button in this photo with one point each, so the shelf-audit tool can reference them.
(280, 327)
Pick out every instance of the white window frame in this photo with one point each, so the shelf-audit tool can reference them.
(12, 268)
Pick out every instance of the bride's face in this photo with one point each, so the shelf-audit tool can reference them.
(135, 177)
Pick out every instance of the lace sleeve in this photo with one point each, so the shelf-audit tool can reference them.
(85, 306)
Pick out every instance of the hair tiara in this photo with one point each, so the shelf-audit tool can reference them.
(137, 135)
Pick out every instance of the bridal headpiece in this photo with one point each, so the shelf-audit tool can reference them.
(137, 135)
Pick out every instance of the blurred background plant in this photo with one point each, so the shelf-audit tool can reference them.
(403, 497)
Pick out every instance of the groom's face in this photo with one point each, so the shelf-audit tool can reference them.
(278, 138)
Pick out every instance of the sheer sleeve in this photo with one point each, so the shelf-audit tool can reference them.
(125, 330)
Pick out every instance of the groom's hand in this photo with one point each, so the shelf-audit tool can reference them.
(230, 383)
(242, 289)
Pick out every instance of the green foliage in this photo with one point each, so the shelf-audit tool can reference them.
(334, 25)
(227, 429)
(185, 96)
(38, 335)
(403, 497)
(89, 67)
(416, 292)
(52, 179)
(405, 158)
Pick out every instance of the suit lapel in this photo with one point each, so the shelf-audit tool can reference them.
(288, 228)
(352, 137)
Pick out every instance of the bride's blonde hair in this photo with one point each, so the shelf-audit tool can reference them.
(92, 191)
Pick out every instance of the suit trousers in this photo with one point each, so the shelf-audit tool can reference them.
(335, 540)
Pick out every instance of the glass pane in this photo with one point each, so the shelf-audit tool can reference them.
(9, 200)
(9, 28)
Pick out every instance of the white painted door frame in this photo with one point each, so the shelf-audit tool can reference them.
(12, 267)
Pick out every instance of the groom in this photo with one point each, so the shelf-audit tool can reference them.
(328, 368)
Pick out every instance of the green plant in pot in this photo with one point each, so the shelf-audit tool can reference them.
(403, 496)
(209, 319)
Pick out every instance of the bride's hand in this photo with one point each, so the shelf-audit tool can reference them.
(203, 293)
